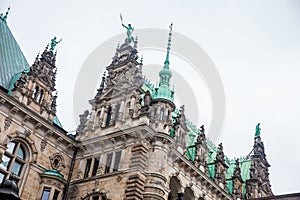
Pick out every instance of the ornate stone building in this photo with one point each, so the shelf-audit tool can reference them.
(133, 144)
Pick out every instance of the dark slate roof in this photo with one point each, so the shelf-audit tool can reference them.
(12, 59)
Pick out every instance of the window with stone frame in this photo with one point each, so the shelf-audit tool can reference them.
(91, 167)
(108, 118)
(50, 193)
(117, 113)
(46, 193)
(87, 167)
(13, 162)
(112, 161)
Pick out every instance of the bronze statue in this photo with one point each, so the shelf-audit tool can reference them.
(257, 131)
(129, 29)
(54, 43)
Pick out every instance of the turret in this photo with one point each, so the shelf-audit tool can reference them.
(118, 98)
(259, 184)
(220, 167)
(163, 96)
(35, 86)
(201, 150)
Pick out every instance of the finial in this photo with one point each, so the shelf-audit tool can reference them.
(37, 57)
(101, 88)
(169, 47)
(257, 131)
(115, 58)
(141, 61)
(6, 14)
(54, 43)
(165, 74)
(135, 42)
(47, 47)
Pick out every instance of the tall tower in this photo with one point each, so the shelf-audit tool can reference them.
(35, 86)
(259, 184)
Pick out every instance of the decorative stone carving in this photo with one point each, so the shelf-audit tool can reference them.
(57, 162)
(27, 133)
(37, 126)
(43, 145)
(7, 123)
(83, 121)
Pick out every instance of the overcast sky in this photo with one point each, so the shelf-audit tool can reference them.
(254, 45)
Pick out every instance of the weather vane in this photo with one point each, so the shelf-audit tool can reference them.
(129, 30)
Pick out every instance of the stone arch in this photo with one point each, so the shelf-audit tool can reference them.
(27, 141)
(175, 188)
(188, 194)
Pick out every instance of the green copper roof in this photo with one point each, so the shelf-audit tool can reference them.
(54, 173)
(57, 122)
(244, 162)
(163, 90)
(12, 60)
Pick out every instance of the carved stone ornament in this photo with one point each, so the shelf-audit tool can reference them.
(57, 162)
(7, 123)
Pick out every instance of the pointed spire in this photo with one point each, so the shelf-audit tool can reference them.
(100, 90)
(115, 58)
(53, 104)
(37, 58)
(165, 74)
(46, 48)
(167, 62)
(135, 42)
(141, 60)
(6, 14)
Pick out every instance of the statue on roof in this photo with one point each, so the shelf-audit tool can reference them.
(54, 42)
(257, 131)
(129, 29)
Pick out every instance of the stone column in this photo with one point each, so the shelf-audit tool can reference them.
(121, 112)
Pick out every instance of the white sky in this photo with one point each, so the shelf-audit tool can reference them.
(254, 44)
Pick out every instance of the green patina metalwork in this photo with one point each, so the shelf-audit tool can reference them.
(193, 132)
(12, 59)
(257, 131)
(245, 162)
(129, 30)
(13, 62)
(54, 173)
(54, 42)
(163, 91)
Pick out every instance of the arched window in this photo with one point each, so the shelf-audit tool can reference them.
(188, 194)
(13, 163)
(174, 188)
